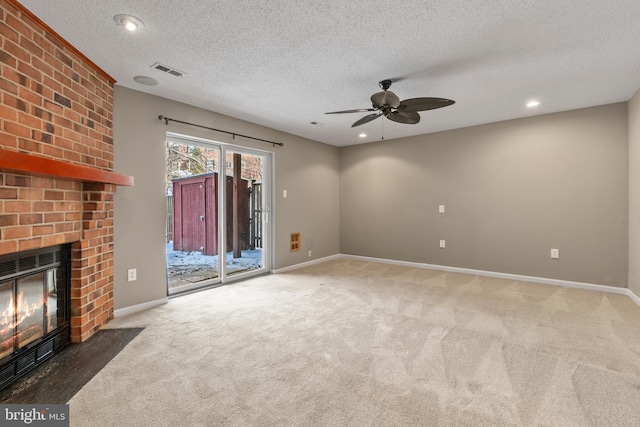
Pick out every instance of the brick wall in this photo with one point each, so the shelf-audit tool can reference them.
(55, 103)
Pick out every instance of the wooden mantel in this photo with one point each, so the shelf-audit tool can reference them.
(36, 165)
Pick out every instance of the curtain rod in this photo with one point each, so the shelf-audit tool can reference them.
(233, 134)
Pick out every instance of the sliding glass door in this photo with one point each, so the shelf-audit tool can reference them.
(218, 198)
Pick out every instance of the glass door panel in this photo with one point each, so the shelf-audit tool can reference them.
(245, 212)
(30, 308)
(192, 215)
(7, 319)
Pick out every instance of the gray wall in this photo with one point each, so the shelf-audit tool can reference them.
(512, 191)
(308, 170)
(634, 194)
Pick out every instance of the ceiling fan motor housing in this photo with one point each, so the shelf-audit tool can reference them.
(384, 99)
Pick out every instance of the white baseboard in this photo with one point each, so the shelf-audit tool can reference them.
(508, 276)
(305, 264)
(633, 296)
(139, 307)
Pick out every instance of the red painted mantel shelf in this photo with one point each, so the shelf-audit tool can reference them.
(28, 163)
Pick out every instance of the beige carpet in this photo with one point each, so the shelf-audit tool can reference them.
(351, 343)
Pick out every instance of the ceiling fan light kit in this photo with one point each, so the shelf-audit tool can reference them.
(387, 104)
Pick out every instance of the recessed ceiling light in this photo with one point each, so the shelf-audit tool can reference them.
(145, 80)
(131, 23)
(532, 104)
(363, 135)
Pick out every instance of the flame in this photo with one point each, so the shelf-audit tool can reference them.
(24, 308)
(15, 312)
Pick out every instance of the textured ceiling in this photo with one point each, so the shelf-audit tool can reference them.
(284, 63)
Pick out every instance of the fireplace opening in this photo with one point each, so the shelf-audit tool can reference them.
(34, 308)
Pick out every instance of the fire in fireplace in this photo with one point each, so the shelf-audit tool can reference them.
(34, 308)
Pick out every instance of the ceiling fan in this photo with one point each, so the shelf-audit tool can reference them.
(387, 104)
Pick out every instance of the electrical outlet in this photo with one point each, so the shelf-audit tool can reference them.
(131, 274)
(441, 208)
(309, 253)
(443, 243)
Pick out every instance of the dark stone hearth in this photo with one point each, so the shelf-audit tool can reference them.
(63, 375)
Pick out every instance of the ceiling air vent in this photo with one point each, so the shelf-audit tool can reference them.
(167, 69)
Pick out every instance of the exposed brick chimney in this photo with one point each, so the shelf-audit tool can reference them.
(56, 104)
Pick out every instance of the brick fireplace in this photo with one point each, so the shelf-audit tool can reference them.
(56, 159)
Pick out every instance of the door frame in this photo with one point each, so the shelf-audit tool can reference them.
(268, 223)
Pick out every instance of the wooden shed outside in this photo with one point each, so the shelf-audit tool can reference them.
(195, 214)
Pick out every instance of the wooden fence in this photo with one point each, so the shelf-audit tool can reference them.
(169, 233)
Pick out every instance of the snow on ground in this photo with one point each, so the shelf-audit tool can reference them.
(180, 263)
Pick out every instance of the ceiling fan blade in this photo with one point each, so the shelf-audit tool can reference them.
(367, 119)
(423, 104)
(407, 117)
(359, 110)
(385, 98)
